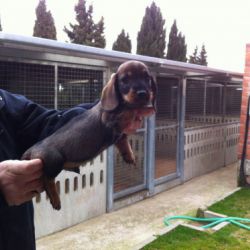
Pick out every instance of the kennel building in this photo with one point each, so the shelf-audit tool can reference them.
(195, 129)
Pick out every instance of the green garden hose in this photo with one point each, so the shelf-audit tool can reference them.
(213, 221)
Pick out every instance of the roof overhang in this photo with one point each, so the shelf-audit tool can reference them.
(113, 58)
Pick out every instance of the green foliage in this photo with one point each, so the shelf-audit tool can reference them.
(1, 29)
(151, 39)
(228, 238)
(123, 42)
(203, 56)
(99, 38)
(200, 59)
(86, 32)
(194, 57)
(177, 48)
(44, 25)
(236, 205)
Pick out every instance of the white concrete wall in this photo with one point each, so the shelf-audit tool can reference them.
(81, 202)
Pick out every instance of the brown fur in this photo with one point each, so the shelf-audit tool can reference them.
(85, 136)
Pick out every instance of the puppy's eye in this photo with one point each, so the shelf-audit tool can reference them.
(125, 79)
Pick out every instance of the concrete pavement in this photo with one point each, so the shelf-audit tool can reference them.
(126, 228)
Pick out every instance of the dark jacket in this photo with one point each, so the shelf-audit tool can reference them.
(23, 123)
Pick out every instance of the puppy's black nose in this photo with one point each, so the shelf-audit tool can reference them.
(142, 94)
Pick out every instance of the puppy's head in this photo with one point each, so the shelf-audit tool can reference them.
(132, 85)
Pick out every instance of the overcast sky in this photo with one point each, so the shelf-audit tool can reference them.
(222, 25)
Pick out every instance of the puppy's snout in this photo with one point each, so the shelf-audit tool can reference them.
(142, 94)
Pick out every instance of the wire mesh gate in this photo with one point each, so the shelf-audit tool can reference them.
(166, 128)
(211, 126)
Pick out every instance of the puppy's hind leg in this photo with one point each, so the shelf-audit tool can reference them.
(53, 164)
(51, 190)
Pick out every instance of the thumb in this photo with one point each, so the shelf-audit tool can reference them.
(24, 167)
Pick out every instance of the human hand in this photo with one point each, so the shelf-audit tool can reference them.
(137, 122)
(20, 181)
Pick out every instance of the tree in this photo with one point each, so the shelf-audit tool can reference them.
(177, 48)
(200, 59)
(123, 42)
(203, 56)
(86, 32)
(99, 40)
(44, 24)
(1, 29)
(194, 59)
(151, 39)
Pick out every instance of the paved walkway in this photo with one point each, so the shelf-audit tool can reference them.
(126, 228)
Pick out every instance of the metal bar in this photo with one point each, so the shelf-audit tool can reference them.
(205, 99)
(164, 127)
(181, 128)
(211, 126)
(150, 156)
(56, 87)
(224, 102)
(167, 178)
(110, 179)
(128, 191)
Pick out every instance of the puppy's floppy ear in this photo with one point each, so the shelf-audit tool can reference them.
(154, 91)
(109, 98)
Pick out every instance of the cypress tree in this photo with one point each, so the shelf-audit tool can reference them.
(99, 40)
(203, 56)
(44, 25)
(177, 48)
(200, 59)
(86, 32)
(151, 39)
(123, 42)
(82, 33)
(194, 59)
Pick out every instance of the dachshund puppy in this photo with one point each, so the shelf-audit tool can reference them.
(130, 90)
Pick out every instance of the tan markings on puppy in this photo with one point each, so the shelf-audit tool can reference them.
(130, 97)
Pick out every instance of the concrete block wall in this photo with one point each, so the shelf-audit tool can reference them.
(83, 196)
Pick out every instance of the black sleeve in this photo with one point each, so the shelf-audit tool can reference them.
(33, 122)
(30, 122)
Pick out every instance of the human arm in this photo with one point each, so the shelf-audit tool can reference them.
(30, 121)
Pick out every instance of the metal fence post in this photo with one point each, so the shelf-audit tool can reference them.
(205, 101)
(56, 87)
(110, 179)
(181, 128)
(150, 153)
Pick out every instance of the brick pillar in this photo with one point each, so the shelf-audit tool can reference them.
(244, 102)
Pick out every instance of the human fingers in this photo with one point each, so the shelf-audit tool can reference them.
(25, 197)
(28, 177)
(25, 167)
(35, 185)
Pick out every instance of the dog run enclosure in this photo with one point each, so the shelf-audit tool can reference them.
(195, 129)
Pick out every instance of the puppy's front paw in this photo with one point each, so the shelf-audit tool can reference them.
(129, 158)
